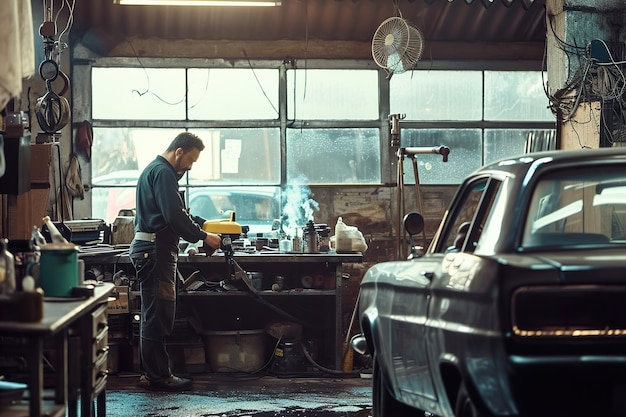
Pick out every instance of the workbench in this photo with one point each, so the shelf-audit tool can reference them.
(319, 306)
(83, 317)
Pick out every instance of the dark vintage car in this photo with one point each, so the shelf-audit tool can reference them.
(518, 306)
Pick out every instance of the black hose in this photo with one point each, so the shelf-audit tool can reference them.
(276, 309)
(328, 370)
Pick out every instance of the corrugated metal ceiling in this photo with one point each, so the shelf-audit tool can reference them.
(330, 20)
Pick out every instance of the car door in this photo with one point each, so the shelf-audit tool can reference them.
(409, 353)
(408, 350)
(454, 311)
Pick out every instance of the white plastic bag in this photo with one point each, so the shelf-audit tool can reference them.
(348, 238)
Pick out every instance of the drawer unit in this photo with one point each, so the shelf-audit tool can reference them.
(100, 345)
(99, 374)
(99, 320)
(94, 349)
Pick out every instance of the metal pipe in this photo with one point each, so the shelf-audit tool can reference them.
(442, 150)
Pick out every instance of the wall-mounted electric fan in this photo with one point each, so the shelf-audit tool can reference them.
(397, 45)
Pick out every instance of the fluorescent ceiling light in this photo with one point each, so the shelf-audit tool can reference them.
(198, 2)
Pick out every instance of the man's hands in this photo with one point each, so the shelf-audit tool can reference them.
(212, 241)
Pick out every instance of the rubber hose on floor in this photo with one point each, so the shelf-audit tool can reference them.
(328, 370)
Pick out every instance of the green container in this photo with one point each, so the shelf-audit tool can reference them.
(58, 272)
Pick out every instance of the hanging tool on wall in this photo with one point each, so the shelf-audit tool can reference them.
(52, 109)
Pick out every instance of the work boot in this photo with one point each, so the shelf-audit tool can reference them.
(171, 384)
(143, 382)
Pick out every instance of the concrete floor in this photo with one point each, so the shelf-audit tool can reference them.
(235, 395)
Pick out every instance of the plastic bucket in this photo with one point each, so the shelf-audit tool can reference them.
(235, 351)
(58, 271)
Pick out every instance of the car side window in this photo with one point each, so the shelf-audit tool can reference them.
(469, 216)
(460, 219)
(486, 210)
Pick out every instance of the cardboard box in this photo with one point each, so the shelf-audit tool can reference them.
(118, 300)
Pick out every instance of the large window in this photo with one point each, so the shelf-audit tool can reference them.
(482, 116)
(269, 127)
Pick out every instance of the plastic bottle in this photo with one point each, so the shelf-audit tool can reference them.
(55, 235)
(342, 242)
(339, 225)
(285, 245)
(37, 238)
(7, 270)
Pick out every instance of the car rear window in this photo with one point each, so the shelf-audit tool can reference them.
(570, 208)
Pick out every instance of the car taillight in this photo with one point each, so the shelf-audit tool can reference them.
(569, 311)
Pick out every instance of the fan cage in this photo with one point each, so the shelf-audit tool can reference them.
(397, 45)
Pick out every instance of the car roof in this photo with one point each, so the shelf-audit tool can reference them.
(527, 169)
(521, 164)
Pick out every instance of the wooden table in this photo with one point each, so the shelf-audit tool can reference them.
(58, 316)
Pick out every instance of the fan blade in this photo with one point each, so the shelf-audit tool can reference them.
(390, 41)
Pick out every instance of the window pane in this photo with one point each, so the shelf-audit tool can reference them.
(332, 94)
(138, 93)
(242, 156)
(119, 155)
(231, 156)
(505, 143)
(255, 207)
(333, 156)
(106, 202)
(437, 95)
(238, 156)
(516, 95)
(578, 206)
(465, 155)
(233, 94)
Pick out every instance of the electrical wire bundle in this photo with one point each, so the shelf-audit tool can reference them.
(599, 78)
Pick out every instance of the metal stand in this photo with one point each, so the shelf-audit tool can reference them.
(232, 265)
(401, 202)
(410, 152)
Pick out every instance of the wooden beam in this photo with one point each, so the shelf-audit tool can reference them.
(313, 49)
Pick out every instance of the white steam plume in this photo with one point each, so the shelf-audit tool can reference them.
(297, 207)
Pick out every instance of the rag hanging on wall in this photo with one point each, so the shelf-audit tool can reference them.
(84, 138)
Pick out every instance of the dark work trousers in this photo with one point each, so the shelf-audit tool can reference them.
(155, 264)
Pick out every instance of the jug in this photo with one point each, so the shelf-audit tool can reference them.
(7, 270)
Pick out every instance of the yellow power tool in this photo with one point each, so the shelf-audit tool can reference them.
(224, 226)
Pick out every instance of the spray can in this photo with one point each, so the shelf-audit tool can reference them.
(296, 243)
(323, 232)
(311, 237)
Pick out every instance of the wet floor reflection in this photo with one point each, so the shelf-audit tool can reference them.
(122, 404)
(243, 398)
